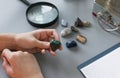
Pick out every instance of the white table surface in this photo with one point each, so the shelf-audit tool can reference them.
(64, 65)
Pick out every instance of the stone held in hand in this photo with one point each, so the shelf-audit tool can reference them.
(55, 44)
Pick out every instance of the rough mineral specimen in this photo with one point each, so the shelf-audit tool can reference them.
(78, 22)
(54, 44)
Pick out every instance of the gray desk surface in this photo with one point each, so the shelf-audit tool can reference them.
(64, 65)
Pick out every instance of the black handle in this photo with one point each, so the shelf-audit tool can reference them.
(25, 2)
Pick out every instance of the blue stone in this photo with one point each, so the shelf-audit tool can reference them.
(71, 44)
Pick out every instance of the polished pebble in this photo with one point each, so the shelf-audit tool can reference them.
(81, 38)
(71, 44)
(66, 31)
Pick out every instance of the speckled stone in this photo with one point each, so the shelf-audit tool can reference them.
(54, 44)
(75, 29)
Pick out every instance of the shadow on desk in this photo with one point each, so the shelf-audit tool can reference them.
(2, 72)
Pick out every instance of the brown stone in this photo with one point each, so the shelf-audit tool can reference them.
(81, 38)
(78, 23)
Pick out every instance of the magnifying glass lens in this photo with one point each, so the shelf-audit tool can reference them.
(42, 14)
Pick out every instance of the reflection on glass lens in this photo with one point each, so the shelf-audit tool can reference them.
(42, 14)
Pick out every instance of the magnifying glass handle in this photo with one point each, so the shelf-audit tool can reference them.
(25, 2)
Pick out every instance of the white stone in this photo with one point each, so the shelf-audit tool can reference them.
(66, 31)
(64, 23)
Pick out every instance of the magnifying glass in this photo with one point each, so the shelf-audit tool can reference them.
(41, 14)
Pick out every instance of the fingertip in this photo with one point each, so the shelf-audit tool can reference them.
(43, 51)
(4, 52)
(56, 35)
(3, 59)
(53, 53)
(6, 66)
(42, 44)
(61, 48)
(5, 63)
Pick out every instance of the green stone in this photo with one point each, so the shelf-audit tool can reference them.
(54, 44)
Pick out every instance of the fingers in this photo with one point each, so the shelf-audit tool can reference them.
(53, 53)
(43, 51)
(6, 66)
(60, 48)
(56, 36)
(51, 33)
(7, 54)
(42, 44)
